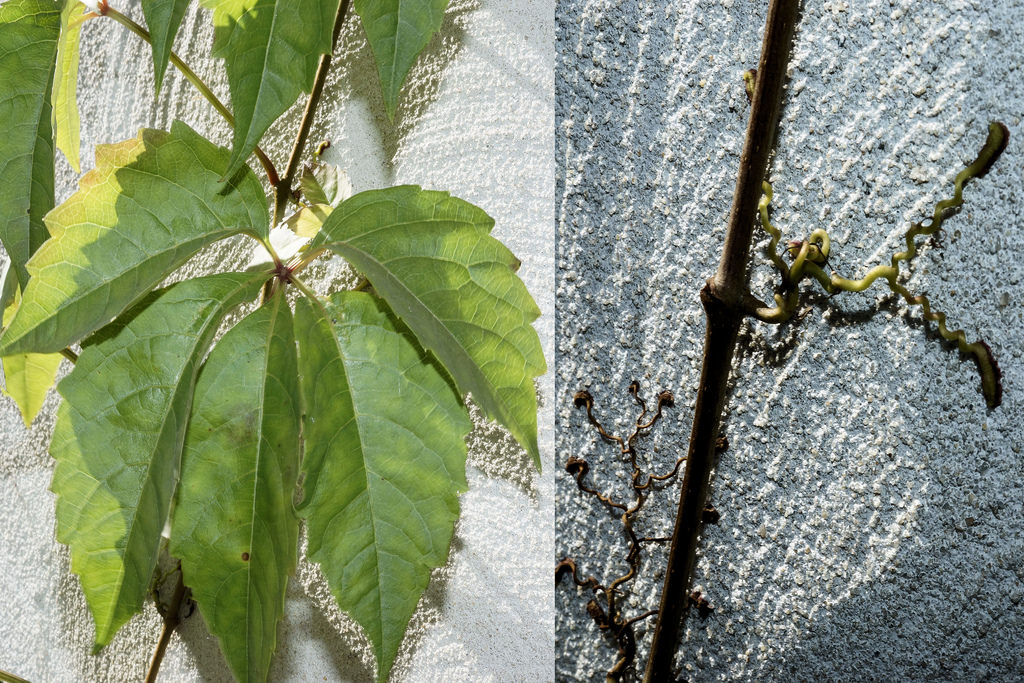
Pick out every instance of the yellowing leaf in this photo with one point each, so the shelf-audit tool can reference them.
(65, 87)
(306, 222)
(29, 376)
(148, 206)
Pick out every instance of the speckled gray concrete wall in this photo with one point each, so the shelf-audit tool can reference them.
(872, 507)
(475, 119)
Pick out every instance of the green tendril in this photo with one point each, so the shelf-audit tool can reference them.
(808, 257)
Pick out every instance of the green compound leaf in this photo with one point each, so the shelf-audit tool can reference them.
(28, 376)
(398, 30)
(271, 49)
(234, 528)
(384, 464)
(150, 204)
(433, 260)
(29, 30)
(119, 435)
(163, 17)
(65, 86)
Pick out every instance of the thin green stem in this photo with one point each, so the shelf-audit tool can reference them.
(283, 190)
(303, 259)
(69, 354)
(203, 89)
(311, 295)
(10, 678)
(270, 250)
(305, 289)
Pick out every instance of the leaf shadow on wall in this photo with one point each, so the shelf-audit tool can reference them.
(354, 81)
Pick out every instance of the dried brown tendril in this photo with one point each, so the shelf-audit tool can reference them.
(605, 607)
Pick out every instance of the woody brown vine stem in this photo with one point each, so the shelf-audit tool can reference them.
(724, 298)
(283, 189)
(172, 617)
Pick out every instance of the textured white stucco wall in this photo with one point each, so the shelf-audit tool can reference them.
(475, 119)
(860, 443)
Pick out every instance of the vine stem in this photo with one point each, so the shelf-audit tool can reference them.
(203, 89)
(283, 189)
(724, 298)
(172, 617)
(7, 677)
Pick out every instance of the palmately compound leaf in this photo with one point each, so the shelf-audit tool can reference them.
(119, 435)
(398, 30)
(29, 30)
(28, 376)
(234, 527)
(433, 260)
(148, 206)
(384, 462)
(163, 17)
(271, 49)
(65, 85)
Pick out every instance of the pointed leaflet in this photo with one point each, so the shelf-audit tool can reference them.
(119, 434)
(271, 49)
(234, 528)
(307, 221)
(65, 85)
(29, 376)
(384, 464)
(28, 52)
(432, 259)
(398, 30)
(163, 17)
(149, 205)
(325, 184)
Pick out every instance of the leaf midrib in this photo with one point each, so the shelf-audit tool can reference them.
(260, 453)
(365, 468)
(263, 73)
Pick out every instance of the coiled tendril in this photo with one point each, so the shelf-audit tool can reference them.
(811, 254)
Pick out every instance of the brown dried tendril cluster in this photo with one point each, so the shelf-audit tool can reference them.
(605, 608)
